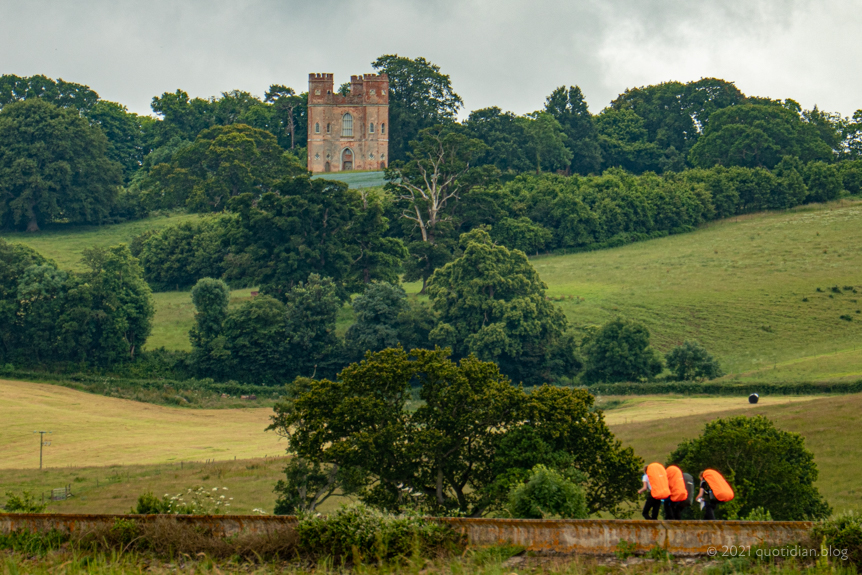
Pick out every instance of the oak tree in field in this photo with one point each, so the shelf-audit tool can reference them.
(462, 449)
(620, 351)
(53, 166)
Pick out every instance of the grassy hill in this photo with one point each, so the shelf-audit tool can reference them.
(94, 430)
(832, 428)
(766, 293)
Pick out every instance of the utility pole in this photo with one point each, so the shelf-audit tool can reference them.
(42, 443)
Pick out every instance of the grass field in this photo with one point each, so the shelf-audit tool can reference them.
(131, 447)
(831, 426)
(94, 430)
(756, 290)
(64, 244)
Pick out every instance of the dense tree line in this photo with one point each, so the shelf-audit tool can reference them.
(100, 317)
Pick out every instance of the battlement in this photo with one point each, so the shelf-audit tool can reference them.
(320, 77)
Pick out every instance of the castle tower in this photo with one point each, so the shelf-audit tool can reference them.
(348, 132)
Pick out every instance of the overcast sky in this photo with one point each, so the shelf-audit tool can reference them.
(506, 53)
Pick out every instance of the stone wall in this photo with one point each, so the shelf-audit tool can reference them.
(588, 536)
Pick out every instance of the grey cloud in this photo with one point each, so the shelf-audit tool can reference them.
(505, 53)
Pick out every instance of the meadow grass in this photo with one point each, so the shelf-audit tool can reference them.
(65, 243)
(831, 426)
(763, 293)
(96, 430)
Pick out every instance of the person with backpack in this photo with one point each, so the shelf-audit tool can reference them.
(656, 487)
(714, 489)
(679, 495)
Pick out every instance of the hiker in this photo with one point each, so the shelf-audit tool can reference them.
(714, 489)
(679, 496)
(656, 488)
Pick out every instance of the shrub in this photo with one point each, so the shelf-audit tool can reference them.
(548, 494)
(32, 543)
(842, 532)
(762, 463)
(24, 503)
(619, 352)
(358, 532)
(195, 501)
(691, 361)
(758, 514)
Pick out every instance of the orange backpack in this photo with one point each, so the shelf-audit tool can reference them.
(678, 492)
(719, 486)
(658, 481)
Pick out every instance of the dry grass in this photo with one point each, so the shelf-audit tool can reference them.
(93, 430)
(831, 426)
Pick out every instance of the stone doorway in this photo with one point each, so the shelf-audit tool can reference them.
(346, 160)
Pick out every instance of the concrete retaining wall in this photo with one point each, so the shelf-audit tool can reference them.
(589, 536)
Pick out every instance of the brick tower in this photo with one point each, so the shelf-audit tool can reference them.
(348, 132)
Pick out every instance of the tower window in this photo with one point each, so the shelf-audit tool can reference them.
(317, 127)
(347, 126)
(371, 127)
(328, 128)
(383, 128)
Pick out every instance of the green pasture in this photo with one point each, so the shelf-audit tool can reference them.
(64, 244)
(831, 426)
(775, 296)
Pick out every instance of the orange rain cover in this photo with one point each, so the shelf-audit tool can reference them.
(676, 483)
(720, 487)
(658, 481)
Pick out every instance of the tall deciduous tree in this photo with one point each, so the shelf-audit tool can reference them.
(222, 163)
(547, 142)
(440, 171)
(452, 451)
(420, 97)
(620, 351)
(570, 109)
(53, 165)
(290, 107)
(492, 304)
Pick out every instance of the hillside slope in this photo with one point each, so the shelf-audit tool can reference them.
(832, 428)
(97, 430)
(757, 292)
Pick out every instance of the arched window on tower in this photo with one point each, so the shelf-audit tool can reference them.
(347, 126)
(383, 128)
(317, 127)
(328, 128)
(370, 127)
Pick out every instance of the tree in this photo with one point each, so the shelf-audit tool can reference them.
(441, 170)
(311, 310)
(255, 338)
(690, 361)
(310, 226)
(521, 234)
(125, 133)
(505, 136)
(122, 302)
(762, 463)
(570, 109)
(223, 163)
(623, 138)
(377, 312)
(209, 354)
(491, 303)
(758, 135)
(14, 260)
(451, 449)
(823, 181)
(547, 142)
(420, 97)
(547, 494)
(59, 93)
(53, 165)
(619, 351)
(290, 106)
